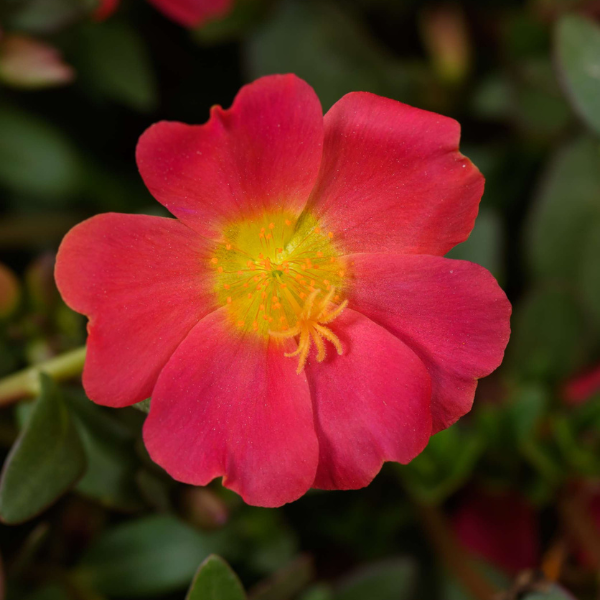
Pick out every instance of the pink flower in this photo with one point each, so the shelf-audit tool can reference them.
(296, 326)
(581, 388)
(502, 528)
(189, 13)
(29, 63)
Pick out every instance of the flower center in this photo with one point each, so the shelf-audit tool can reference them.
(281, 276)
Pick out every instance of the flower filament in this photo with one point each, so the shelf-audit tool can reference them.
(269, 271)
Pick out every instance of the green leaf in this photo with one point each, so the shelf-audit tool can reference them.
(287, 582)
(215, 581)
(35, 157)
(589, 274)
(112, 460)
(44, 16)
(443, 466)
(484, 245)
(245, 14)
(46, 460)
(578, 53)
(152, 556)
(327, 48)
(114, 62)
(394, 579)
(567, 208)
(527, 407)
(550, 337)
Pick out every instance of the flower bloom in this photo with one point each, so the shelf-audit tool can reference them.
(29, 63)
(189, 13)
(296, 325)
(583, 387)
(501, 528)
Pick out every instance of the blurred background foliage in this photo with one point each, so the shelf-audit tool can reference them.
(504, 504)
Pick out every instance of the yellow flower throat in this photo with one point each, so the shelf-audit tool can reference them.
(282, 277)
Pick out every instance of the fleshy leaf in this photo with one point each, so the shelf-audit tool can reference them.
(46, 460)
(215, 581)
(112, 460)
(565, 210)
(390, 580)
(578, 52)
(152, 556)
(115, 63)
(35, 157)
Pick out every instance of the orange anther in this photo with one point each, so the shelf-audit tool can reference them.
(261, 255)
(240, 272)
(271, 225)
(249, 263)
(228, 299)
(330, 234)
(288, 222)
(226, 286)
(265, 317)
(302, 295)
(240, 323)
(283, 285)
(268, 236)
(281, 319)
(220, 269)
(255, 325)
(341, 273)
(326, 281)
(275, 299)
(336, 297)
(249, 296)
(317, 230)
(228, 246)
(214, 260)
(263, 295)
(246, 284)
(261, 235)
(319, 254)
(261, 307)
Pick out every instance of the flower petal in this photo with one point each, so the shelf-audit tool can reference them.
(452, 313)
(262, 154)
(142, 282)
(191, 13)
(392, 178)
(371, 404)
(229, 404)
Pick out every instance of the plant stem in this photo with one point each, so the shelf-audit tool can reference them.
(452, 555)
(25, 384)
